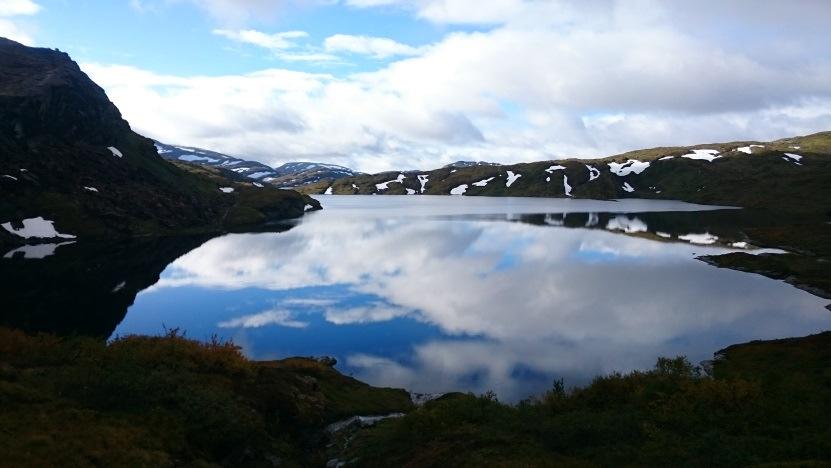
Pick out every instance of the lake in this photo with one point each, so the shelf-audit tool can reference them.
(432, 294)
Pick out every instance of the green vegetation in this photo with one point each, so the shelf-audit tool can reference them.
(768, 403)
(164, 401)
(761, 180)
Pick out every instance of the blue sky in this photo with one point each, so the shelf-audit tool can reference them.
(401, 84)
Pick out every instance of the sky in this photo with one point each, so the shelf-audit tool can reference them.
(404, 84)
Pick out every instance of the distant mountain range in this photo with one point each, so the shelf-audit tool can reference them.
(289, 175)
(790, 174)
(460, 164)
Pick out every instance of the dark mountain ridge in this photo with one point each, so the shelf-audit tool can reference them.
(67, 157)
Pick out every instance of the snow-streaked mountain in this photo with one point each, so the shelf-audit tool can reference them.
(251, 169)
(296, 174)
(293, 174)
(461, 164)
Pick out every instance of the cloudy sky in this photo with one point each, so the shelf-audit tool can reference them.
(399, 84)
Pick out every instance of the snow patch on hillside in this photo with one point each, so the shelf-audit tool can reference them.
(512, 178)
(703, 154)
(460, 190)
(749, 149)
(631, 166)
(422, 179)
(115, 152)
(483, 182)
(385, 185)
(594, 172)
(38, 228)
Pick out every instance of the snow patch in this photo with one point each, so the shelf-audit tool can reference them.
(739, 245)
(483, 182)
(36, 252)
(665, 235)
(566, 187)
(666, 158)
(36, 227)
(703, 154)
(460, 190)
(512, 178)
(551, 169)
(629, 167)
(423, 178)
(329, 191)
(628, 187)
(91, 189)
(385, 185)
(410, 191)
(626, 224)
(257, 184)
(226, 189)
(115, 152)
(308, 208)
(702, 239)
(794, 158)
(192, 158)
(10, 177)
(259, 175)
(119, 287)
(749, 149)
(594, 172)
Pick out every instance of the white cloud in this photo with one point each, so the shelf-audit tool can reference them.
(554, 79)
(270, 317)
(15, 29)
(377, 47)
(276, 41)
(18, 8)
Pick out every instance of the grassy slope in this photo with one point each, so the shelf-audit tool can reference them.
(143, 401)
(768, 403)
(760, 180)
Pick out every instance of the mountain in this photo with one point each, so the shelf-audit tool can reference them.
(70, 165)
(459, 164)
(789, 174)
(251, 169)
(297, 174)
(289, 175)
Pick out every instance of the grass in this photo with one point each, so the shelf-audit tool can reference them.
(165, 401)
(170, 401)
(767, 403)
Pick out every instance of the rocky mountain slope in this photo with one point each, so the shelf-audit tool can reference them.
(293, 174)
(70, 165)
(793, 174)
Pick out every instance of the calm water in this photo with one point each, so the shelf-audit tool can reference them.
(437, 293)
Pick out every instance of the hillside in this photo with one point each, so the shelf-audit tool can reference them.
(792, 174)
(72, 167)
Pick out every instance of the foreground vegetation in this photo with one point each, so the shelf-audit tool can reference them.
(767, 404)
(164, 401)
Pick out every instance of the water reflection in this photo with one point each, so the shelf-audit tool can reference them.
(456, 298)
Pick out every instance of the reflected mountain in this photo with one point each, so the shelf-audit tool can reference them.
(84, 287)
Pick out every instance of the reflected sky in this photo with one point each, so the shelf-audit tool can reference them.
(452, 293)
